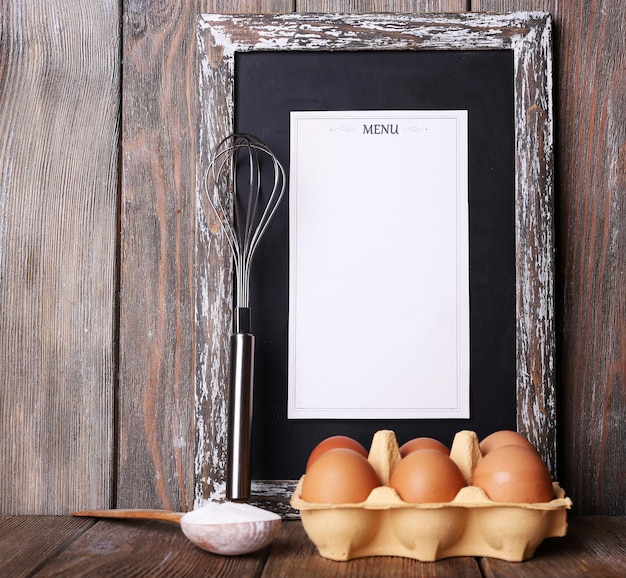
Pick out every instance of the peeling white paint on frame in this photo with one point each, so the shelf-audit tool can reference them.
(529, 36)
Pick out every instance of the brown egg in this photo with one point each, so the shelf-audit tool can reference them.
(427, 476)
(332, 443)
(503, 438)
(423, 444)
(339, 476)
(514, 474)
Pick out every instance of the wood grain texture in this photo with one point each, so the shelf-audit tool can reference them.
(156, 428)
(135, 514)
(59, 103)
(371, 6)
(28, 542)
(592, 240)
(535, 249)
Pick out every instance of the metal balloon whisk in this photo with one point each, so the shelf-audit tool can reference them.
(244, 184)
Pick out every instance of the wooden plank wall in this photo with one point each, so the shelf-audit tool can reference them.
(59, 132)
(96, 250)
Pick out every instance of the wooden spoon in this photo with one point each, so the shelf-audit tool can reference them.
(227, 528)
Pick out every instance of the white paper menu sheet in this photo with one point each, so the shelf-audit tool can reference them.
(379, 265)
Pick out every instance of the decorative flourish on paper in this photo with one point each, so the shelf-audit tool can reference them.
(415, 129)
(343, 128)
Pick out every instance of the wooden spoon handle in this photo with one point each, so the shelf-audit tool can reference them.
(136, 514)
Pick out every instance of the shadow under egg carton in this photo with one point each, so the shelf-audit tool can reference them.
(469, 525)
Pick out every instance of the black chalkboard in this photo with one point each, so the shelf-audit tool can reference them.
(268, 85)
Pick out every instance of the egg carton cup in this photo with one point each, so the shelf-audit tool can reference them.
(470, 525)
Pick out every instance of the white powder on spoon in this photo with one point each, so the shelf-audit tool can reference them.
(228, 513)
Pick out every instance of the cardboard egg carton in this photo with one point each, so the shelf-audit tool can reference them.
(469, 525)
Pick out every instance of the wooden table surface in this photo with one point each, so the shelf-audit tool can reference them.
(595, 546)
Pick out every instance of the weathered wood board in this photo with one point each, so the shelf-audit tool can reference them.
(59, 107)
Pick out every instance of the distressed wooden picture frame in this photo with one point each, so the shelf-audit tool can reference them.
(529, 36)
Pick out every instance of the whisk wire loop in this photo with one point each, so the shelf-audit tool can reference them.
(251, 213)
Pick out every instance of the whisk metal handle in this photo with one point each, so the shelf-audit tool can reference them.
(240, 416)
